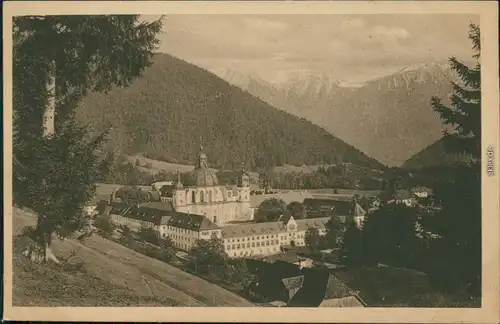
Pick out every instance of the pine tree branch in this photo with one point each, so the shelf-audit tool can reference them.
(466, 95)
(475, 37)
(470, 77)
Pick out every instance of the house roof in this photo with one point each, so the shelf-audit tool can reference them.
(337, 289)
(191, 222)
(358, 210)
(319, 223)
(293, 282)
(339, 207)
(319, 285)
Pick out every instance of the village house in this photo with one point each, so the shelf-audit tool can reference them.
(421, 192)
(334, 208)
(278, 281)
(403, 197)
(299, 287)
(323, 289)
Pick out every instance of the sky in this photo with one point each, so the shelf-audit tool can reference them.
(350, 48)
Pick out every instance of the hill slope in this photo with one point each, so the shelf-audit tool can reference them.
(388, 118)
(164, 114)
(434, 155)
(135, 278)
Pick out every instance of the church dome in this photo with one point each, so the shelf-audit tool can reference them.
(205, 177)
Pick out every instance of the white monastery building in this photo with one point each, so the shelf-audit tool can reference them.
(219, 203)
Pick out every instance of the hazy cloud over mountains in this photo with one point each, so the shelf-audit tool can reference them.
(351, 48)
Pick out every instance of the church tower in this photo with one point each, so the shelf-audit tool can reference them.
(243, 185)
(179, 192)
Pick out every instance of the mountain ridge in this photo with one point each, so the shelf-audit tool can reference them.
(164, 113)
(393, 110)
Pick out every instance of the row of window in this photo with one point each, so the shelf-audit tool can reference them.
(249, 253)
(182, 246)
(253, 244)
(178, 230)
(253, 238)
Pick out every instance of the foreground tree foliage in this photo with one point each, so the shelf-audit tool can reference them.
(313, 239)
(209, 256)
(105, 225)
(270, 210)
(352, 245)
(458, 251)
(58, 60)
(389, 236)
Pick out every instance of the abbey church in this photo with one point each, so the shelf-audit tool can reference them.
(219, 203)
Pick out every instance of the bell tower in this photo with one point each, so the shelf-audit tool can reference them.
(243, 185)
(179, 192)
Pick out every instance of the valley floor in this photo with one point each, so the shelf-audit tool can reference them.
(110, 275)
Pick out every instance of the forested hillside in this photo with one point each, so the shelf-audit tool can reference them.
(434, 155)
(164, 114)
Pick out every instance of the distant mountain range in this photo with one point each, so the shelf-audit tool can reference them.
(163, 114)
(389, 118)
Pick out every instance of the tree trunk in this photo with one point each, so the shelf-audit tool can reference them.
(50, 109)
(49, 255)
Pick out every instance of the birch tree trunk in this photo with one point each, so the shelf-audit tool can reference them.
(49, 115)
(50, 109)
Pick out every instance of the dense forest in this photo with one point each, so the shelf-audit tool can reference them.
(164, 114)
(435, 155)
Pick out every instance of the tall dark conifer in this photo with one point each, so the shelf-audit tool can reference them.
(57, 60)
(458, 253)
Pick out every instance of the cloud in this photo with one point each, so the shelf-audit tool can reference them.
(265, 25)
(383, 32)
(348, 47)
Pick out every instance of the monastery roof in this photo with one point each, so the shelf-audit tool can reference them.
(154, 212)
(191, 222)
(157, 205)
(249, 229)
(252, 229)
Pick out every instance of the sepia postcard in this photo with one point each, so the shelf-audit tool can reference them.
(251, 161)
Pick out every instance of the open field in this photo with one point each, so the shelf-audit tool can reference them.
(121, 268)
(157, 166)
(292, 168)
(343, 192)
